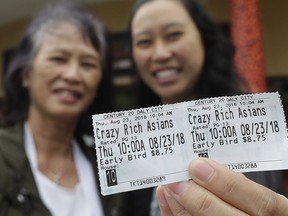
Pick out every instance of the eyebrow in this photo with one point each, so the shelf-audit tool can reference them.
(173, 24)
(65, 52)
(92, 57)
(167, 26)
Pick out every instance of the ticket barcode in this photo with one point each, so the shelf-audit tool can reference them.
(151, 146)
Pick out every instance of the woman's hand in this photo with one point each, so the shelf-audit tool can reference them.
(216, 190)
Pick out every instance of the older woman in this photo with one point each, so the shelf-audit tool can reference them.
(56, 80)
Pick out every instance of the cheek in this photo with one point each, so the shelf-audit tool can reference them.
(140, 59)
(192, 56)
(42, 76)
(142, 68)
(36, 83)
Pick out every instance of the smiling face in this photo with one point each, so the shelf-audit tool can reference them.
(64, 75)
(167, 49)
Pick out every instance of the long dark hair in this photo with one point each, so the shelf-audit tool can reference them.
(16, 101)
(218, 76)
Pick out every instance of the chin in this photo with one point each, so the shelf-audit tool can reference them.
(170, 97)
(67, 114)
(170, 100)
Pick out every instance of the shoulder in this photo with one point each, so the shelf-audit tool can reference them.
(10, 135)
(10, 132)
(12, 152)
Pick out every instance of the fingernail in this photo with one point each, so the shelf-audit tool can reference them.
(179, 188)
(201, 170)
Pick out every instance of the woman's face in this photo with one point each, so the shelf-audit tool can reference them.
(65, 73)
(167, 49)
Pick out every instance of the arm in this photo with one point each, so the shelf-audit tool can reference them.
(216, 190)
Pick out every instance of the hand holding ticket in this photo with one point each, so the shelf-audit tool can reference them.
(152, 146)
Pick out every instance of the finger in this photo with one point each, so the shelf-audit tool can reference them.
(163, 204)
(169, 205)
(197, 201)
(235, 188)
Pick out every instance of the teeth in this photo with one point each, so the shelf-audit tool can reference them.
(67, 93)
(165, 73)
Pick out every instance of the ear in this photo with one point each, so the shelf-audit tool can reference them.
(25, 78)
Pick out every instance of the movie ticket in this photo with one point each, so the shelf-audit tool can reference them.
(151, 146)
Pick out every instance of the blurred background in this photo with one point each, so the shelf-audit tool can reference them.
(15, 15)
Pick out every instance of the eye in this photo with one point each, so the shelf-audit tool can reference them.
(173, 36)
(89, 65)
(58, 59)
(143, 43)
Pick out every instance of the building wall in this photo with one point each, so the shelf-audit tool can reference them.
(116, 16)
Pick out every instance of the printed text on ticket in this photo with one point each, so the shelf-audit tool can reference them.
(152, 146)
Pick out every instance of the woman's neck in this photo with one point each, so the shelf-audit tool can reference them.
(51, 135)
(179, 98)
(54, 149)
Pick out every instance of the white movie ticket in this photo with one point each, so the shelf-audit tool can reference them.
(152, 146)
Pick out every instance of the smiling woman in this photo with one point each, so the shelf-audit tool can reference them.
(181, 54)
(65, 74)
(175, 40)
(56, 80)
(183, 57)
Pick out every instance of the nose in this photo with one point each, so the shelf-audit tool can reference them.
(72, 73)
(161, 51)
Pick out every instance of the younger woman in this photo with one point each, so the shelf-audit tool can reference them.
(181, 54)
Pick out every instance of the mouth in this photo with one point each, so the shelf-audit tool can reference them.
(167, 76)
(68, 96)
